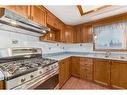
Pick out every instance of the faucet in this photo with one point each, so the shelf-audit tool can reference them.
(107, 54)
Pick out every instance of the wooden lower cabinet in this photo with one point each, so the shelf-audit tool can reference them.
(123, 74)
(119, 74)
(75, 66)
(82, 67)
(115, 74)
(86, 68)
(64, 71)
(2, 85)
(112, 73)
(107, 72)
(102, 71)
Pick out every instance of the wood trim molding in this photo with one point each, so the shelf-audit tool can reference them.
(47, 11)
(80, 9)
(84, 13)
(110, 20)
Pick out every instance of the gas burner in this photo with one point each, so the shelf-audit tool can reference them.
(15, 68)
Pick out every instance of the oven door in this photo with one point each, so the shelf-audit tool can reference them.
(50, 80)
(50, 83)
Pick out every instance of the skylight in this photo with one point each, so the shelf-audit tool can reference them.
(85, 9)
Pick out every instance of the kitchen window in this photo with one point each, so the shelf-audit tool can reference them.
(111, 36)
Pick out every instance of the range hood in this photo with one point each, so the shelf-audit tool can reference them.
(13, 22)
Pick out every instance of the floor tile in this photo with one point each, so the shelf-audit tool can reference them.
(76, 83)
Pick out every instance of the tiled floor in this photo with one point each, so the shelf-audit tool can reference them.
(76, 83)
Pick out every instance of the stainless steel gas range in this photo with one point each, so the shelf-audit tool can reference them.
(24, 68)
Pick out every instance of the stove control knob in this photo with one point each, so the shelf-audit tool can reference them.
(31, 76)
(23, 80)
(40, 72)
(54, 65)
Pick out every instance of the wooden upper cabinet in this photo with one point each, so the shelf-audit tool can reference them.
(23, 10)
(57, 26)
(38, 14)
(62, 32)
(78, 37)
(87, 34)
(69, 38)
(102, 71)
(35, 13)
(52, 20)
(83, 34)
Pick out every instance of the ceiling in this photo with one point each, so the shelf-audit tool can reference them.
(70, 14)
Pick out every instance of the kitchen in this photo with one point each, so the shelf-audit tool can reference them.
(44, 48)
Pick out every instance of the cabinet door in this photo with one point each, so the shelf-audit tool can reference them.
(62, 73)
(62, 32)
(52, 20)
(101, 71)
(87, 34)
(68, 73)
(69, 34)
(38, 15)
(78, 35)
(123, 74)
(23, 10)
(119, 74)
(75, 66)
(115, 73)
(2, 86)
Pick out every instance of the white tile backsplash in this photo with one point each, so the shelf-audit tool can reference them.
(22, 40)
(81, 47)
